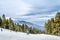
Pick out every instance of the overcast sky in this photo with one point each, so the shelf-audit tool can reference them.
(34, 11)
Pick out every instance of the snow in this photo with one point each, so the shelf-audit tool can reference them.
(11, 35)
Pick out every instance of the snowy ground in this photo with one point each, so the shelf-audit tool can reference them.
(10, 35)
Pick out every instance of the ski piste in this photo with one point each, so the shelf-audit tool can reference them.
(12, 35)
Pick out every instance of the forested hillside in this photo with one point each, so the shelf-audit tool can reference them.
(53, 25)
(9, 24)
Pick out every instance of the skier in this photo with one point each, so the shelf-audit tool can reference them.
(27, 31)
(1, 29)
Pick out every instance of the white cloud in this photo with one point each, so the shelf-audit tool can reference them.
(37, 17)
(24, 8)
(14, 8)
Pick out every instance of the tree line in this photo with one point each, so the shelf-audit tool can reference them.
(53, 25)
(9, 24)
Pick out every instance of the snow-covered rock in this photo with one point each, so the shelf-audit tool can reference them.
(11, 35)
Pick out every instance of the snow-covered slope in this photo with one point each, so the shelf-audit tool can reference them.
(11, 35)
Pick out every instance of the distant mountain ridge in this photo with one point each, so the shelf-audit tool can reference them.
(30, 24)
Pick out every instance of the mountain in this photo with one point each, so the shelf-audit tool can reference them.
(30, 24)
(11, 35)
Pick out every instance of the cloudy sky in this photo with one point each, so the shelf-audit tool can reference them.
(34, 11)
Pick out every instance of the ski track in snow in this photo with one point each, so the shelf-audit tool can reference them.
(11, 35)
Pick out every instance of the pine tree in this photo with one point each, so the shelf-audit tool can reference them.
(3, 21)
(53, 25)
(0, 22)
(7, 24)
(11, 24)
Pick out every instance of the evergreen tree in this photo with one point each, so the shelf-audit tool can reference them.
(0, 22)
(3, 21)
(7, 24)
(53, 25)
(11, 24)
